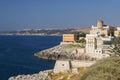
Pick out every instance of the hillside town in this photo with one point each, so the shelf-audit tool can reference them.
(78, 51)
(97, 46)
(98, 41)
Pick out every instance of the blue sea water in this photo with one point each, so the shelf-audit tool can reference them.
(16, 54)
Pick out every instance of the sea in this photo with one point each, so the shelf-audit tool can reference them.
(17, 54)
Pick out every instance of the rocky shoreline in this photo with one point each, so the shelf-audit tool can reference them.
(63, 52)
(42, 75)
(59, 52)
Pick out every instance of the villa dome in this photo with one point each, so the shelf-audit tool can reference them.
(100, 23)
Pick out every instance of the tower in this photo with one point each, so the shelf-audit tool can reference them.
(90, 43)
(100, 24)
(62, 66)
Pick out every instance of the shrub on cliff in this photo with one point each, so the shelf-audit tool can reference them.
(107, 69)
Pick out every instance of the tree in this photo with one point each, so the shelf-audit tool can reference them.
(115, 48)
(103, 35)
(82, 35)
(81, 40)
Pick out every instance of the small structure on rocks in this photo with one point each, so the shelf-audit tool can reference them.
(65, 66)
(62, 66)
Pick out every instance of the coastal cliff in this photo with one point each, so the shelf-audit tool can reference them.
(42, 75)
(50, 75)
(63, 52)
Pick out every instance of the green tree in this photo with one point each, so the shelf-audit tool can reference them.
(82, 35)
(103, 35)
(115, 48)
(81, 40)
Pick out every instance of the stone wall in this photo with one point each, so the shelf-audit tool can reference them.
(66, 65)
(77, 64)
(62, 66)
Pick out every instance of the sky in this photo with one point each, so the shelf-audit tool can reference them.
(47, 14)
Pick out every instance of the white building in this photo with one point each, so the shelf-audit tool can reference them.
(101, 29)
(117, 32)
(91, 43)
(97, 44)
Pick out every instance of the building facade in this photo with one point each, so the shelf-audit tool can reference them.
(97, 44)
(98, 41)
(69, 37)
(117, 32)
(90, 43)
(100, 29)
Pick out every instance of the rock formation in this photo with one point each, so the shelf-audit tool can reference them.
(63, 52)
(43, 75)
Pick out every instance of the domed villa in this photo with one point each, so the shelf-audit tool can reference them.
(100, 29)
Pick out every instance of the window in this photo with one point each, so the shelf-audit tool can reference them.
(99, 51)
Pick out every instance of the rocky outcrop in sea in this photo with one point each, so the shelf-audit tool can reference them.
(42, 75)
(63, 52)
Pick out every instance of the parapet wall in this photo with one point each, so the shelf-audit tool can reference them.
(66, 65)
(77, 64)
